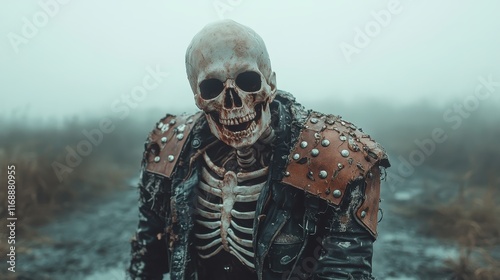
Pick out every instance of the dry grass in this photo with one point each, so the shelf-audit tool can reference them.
(39, 193)
(471, 220)
(469, 214)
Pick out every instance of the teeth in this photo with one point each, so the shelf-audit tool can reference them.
(241, 120)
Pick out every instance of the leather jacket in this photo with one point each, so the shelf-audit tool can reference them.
(299, 232)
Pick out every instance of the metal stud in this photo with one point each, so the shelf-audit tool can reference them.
(179, 136)
(160, 125)
(370, 175)
(164, 139)
(314, 152)
(170, 158)
(287, 174)
(190, 121)
(363, 214)
(342, 123)
(181, 128)
(323, 174)
(172, 121)
(314, 120)
(325, 143)
(342, 138)
(196, 143)
(285, 260)
(337, 193)
(344, 153)
(303, 144)
(296, 156)
(340, 165)
(157, 159)
(330, 121)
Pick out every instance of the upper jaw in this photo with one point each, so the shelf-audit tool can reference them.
(243, 134)
(238, 126)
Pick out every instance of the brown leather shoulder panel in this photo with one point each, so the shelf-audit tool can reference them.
(367, 213)
(166, 142)
(329, 154)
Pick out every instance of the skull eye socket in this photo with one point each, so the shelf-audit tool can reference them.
(249, 81)
(211, 88)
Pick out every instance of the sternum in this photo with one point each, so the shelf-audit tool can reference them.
(227, 185)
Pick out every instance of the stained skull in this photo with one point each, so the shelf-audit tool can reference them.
(229, 71)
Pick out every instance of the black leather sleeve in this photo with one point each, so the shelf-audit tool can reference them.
(149, 251)
(347, 247)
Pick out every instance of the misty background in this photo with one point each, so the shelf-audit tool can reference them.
(90, 53)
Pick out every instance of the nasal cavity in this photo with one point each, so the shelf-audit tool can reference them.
(232, 99)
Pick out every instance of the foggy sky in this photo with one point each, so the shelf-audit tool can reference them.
(83, 57)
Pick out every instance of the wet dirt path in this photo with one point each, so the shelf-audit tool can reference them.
(92, 242)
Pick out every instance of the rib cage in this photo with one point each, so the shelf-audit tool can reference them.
(226, 203)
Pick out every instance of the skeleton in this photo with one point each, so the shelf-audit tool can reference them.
(247, 176)
(230, 74)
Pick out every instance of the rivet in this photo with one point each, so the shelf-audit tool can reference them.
(342, 138)
(330, 121)
(296, 156)
(179, 136)
(196, 143)
(310, 175)
(157, 159)
(314, 120)
(164, 139)
(227, 268)
(340, 165)
(172, 121)
(325, 143)
(344, 153)
(303, 144)
(323, 174)
(314, 152)
(181, 128)
(342, 123)
(160, 125)
(170, 158)
(370, 175)
(363, 214)
(287, 174)
(285, 260)
(337, 193)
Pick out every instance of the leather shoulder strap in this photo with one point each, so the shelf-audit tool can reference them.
(166, 142)
(329, 154)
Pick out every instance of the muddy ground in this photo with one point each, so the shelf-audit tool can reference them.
(92, 241)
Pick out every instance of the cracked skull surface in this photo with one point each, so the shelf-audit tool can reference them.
(230, 73)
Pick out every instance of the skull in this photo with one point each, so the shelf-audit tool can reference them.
(230, 74)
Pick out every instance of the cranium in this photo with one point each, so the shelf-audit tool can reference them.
(229, 70)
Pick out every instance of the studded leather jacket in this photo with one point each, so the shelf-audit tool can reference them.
(315, 219)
